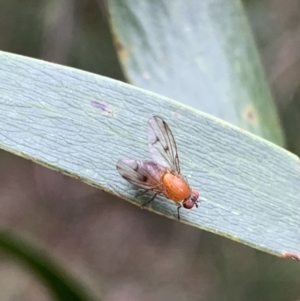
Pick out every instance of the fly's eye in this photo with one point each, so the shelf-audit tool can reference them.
(188, 204)
(192, 200)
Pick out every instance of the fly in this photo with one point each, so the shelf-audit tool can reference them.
(161, 174)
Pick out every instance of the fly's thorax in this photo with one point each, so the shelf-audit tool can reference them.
(175, 187)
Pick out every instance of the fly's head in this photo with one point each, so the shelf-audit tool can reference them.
(192, 200)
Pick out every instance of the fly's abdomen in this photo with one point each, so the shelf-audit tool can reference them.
(175, 187)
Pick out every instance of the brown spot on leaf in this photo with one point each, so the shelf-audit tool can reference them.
(121, 50)
(250, 114)
(119, 46)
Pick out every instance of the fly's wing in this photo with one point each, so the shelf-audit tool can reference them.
(162, 145)
(143, 174)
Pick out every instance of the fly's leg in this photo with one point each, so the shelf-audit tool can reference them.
(178, 208)
(139, 194)
(148, 202)
(147, 190)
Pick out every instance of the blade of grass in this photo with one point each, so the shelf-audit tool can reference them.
(201, 53)
(81, 124)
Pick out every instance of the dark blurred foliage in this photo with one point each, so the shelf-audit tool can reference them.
(276, 27)
(116, 250)
(68, 32)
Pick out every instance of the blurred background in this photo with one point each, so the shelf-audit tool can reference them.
(117, 251)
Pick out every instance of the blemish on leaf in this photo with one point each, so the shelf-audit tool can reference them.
(290, 255)
(101, 105)
(250, 115)
(175, 115)
(121, 49)
(119, 46)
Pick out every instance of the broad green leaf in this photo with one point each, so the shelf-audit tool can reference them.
(201, 53)
(61, 284)
(81, 124)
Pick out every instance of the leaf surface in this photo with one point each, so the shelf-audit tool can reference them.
(81, 124)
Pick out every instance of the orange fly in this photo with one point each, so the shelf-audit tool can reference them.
(162, 174)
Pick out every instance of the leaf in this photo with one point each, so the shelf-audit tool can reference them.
(201, 53)
(61, 284)
(81, 124)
